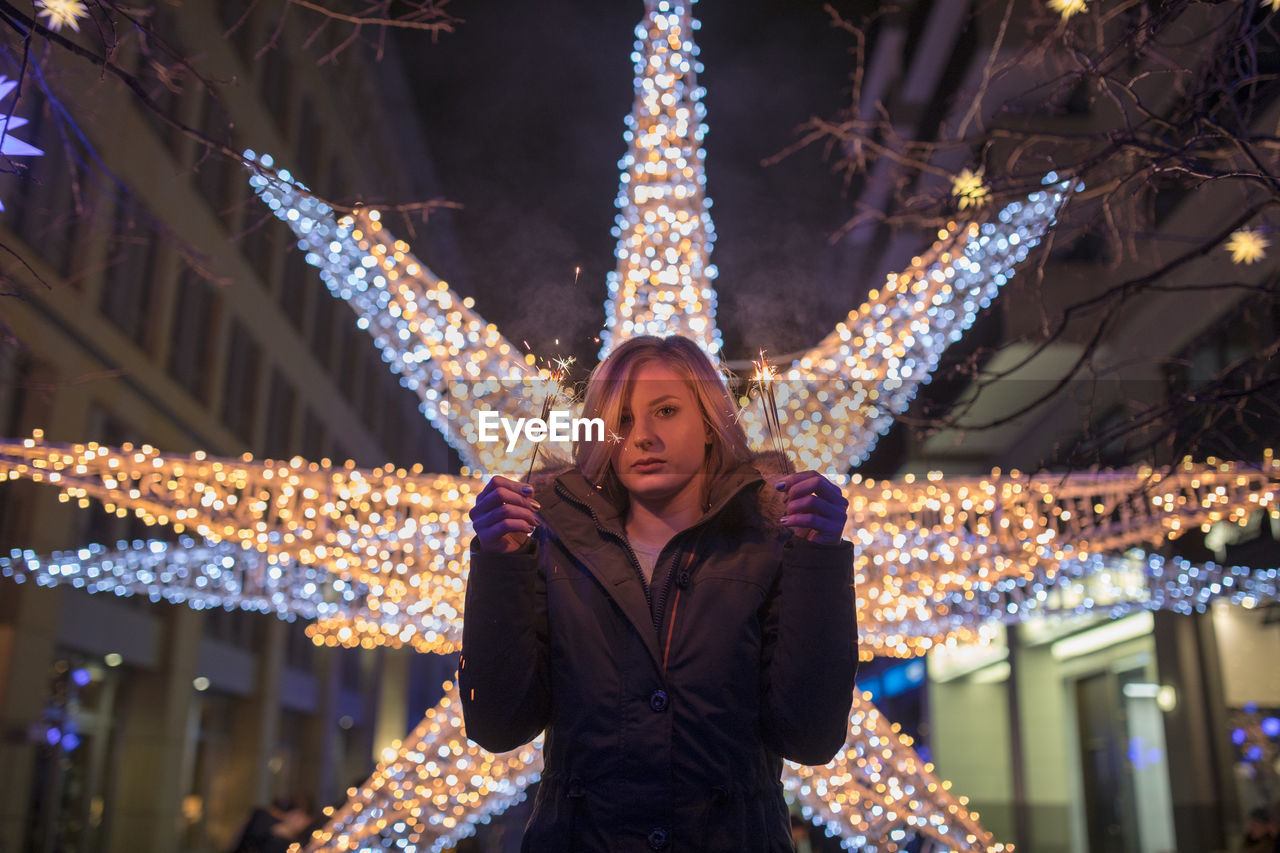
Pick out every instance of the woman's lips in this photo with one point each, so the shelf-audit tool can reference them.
(647, 465)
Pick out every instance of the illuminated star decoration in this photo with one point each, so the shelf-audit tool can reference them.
(1247, 245)
(396, 536)
(969, 189)
(393, 537)
(456, 362)
(10, 145)
(61, 13)
(1067, 8)
(194, 573)
(663, 282)
(937, 560)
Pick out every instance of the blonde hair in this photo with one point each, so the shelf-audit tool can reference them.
(609, 388)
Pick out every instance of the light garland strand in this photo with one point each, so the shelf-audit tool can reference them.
(1111, 586)
(878, 792)
(838, 398)
(205, 576)
(443, 350)
(663, 282)
(432, 790)
(928, 552)
(923, 547)
(194, 573)
(924, 550)
(398, 533)
(437, 787)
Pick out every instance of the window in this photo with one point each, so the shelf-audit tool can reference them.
(353, 358)
(273, 83)
(240, 386)
(127, 285)
(308, 145)
(297, 287)
(214, 172)
(299, 648)
(42, 212)
(18, 409)
(260, 245)
(371, 399)
(349, 664)
(280, 405)
(313, 435)
(237, 15)
(322, 330)
(337, 185)
(196, 313)
(158, 43)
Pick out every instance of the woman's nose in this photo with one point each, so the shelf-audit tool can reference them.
(641, 435)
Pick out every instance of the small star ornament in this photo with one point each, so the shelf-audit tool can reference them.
(1247, 245)
(61, 13)
(10, 145)
(1067, 8)
(969, 188)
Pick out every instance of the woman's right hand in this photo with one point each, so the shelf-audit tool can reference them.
(503, 515)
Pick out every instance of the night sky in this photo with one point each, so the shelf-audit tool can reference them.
(523, 108)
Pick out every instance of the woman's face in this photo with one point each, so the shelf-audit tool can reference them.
(663, 437)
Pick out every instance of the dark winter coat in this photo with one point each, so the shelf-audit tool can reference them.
(667, 712)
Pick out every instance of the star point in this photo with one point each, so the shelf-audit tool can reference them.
(1067, 8)
(1247, 245)
(61, 13)
(970, 189)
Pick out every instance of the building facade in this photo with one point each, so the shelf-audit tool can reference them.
(154, 300)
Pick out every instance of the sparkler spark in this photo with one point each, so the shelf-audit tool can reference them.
(555, 394)
(763, 383)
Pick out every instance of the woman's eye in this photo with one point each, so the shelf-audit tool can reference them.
(625, 420)
(667, 411)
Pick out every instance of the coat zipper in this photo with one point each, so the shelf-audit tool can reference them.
(666, 590)
(635, 561)
(657, 612)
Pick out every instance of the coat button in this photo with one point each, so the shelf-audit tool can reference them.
(657, 839)
(658, 702)
(682, 579)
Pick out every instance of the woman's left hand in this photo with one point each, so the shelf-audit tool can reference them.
(816, 507)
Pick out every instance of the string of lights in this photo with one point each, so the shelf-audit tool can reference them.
(873, 790)
(939, 560)
(432, 789)
(877, 792)
(926, 549)
(205, 576)
(395, 532)
(443, 350)
(194, 573)
(1112, 586)
(437, 787)
(663, 281)
(839, 397)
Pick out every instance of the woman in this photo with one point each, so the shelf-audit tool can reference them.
(675, 623)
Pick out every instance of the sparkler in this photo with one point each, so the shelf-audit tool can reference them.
(763, 382)
(555, 393)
